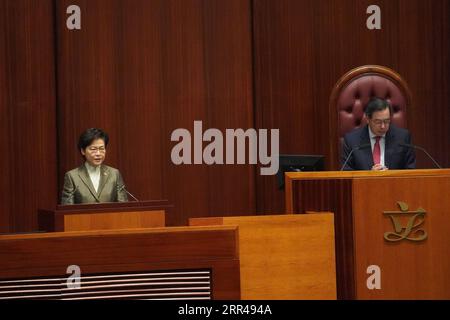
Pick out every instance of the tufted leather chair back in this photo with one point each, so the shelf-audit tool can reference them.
(355, 89)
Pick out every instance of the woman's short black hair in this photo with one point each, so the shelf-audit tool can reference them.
(87, 137)
(377, 104)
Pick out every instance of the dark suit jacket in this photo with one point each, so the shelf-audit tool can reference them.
(78, 187)
(395, 156)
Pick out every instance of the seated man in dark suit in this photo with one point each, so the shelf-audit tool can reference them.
(93, 181)
(376, 146)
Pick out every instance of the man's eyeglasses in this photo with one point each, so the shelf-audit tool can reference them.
(379, 122)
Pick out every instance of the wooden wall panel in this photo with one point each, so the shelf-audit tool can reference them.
(302, 47)
(5, 193)
(284, 91)
(141, 69)
(424, 61)
(27, 112)
(230, 99)
(86, 90)
(109, 77)
(207, 77)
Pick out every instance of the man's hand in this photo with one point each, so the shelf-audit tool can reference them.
(379, 167)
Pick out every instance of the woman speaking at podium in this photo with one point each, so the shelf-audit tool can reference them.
(93, 181)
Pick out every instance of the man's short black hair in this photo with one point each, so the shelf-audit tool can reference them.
(87, 137)
(377, 104)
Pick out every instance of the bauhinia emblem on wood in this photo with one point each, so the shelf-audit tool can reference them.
(411, 230)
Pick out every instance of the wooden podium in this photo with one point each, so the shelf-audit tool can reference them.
(104, 216)
(391, 227)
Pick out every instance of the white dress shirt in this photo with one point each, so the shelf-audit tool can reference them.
(94, 174)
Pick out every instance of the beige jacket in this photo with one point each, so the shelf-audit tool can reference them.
(78, 187)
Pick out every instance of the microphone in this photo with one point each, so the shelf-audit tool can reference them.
(123, 188)
(407, 145)
(361, 146)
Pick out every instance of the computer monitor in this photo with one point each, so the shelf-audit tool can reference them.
(291, 162)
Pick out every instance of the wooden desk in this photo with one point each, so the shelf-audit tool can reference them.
(104, 216)
(365, 204)
(284, 256)
(159, 263)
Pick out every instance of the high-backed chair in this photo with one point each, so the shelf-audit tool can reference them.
(350, 96)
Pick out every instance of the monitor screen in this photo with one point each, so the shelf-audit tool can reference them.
(297, 163)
